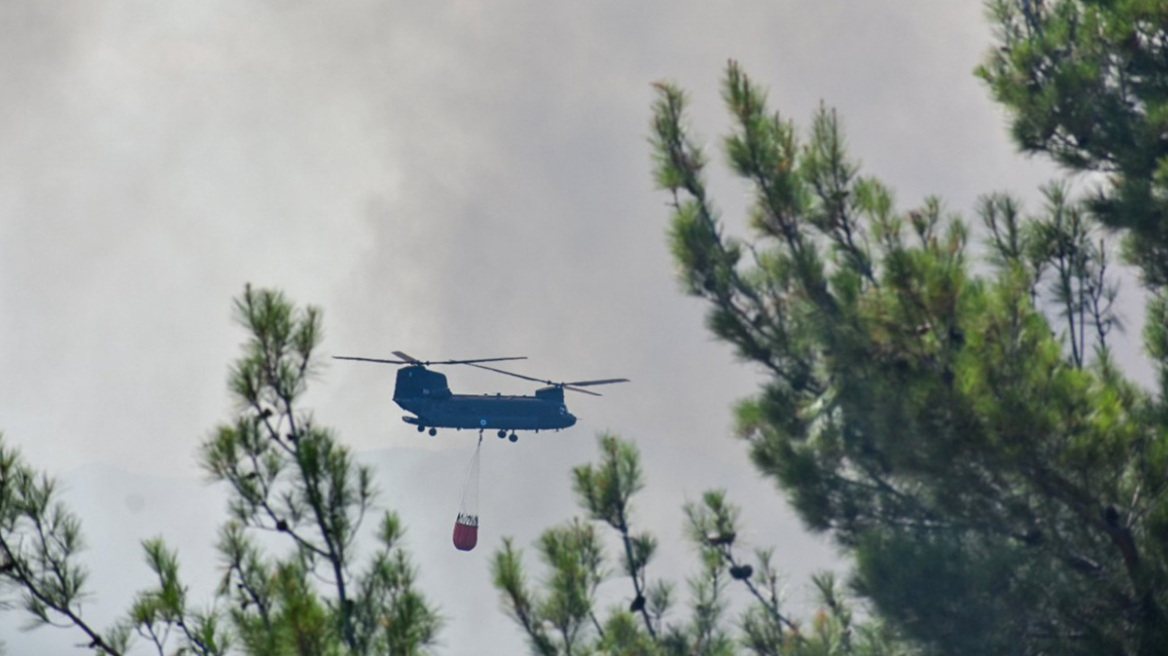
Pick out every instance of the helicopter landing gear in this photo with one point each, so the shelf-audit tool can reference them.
(502, 433)
(513, 437)
(421, 428)
(433, 432)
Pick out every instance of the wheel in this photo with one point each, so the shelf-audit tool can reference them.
(433, 432)
(421, 428)
(502, 434)
(514, 437)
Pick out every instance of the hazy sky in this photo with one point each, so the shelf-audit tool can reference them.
(452, 179)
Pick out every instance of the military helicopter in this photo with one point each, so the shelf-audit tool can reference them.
(425, 393)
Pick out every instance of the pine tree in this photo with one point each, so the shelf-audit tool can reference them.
(287, 477)
(572, 610)
(1085, 82)
(997, 481)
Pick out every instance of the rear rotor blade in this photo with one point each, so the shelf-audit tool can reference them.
(575, 386)
(582, 391)
(602, 381)
(511, 373)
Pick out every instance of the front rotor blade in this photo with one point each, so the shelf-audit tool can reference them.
(471, 362)
(405, 356)
(602, 381)
(582, 391)
(349, 357)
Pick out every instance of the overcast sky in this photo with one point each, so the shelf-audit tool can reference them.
(448, 178)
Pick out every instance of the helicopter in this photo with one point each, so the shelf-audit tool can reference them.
(425, 393)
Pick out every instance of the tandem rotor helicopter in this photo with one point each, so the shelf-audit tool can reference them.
(425, 393)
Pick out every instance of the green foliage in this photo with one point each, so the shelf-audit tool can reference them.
(287, 477)
(1085, 82)
(993, 482)
(158, 612)
(560, 614)
(39, 542)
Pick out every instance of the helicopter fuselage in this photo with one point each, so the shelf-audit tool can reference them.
(488, 412)
(425, 393)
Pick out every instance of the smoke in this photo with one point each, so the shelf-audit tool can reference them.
(452, 179)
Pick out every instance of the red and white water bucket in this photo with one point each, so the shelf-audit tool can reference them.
(466, 532)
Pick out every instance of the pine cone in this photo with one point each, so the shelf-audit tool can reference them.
(741, 572)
